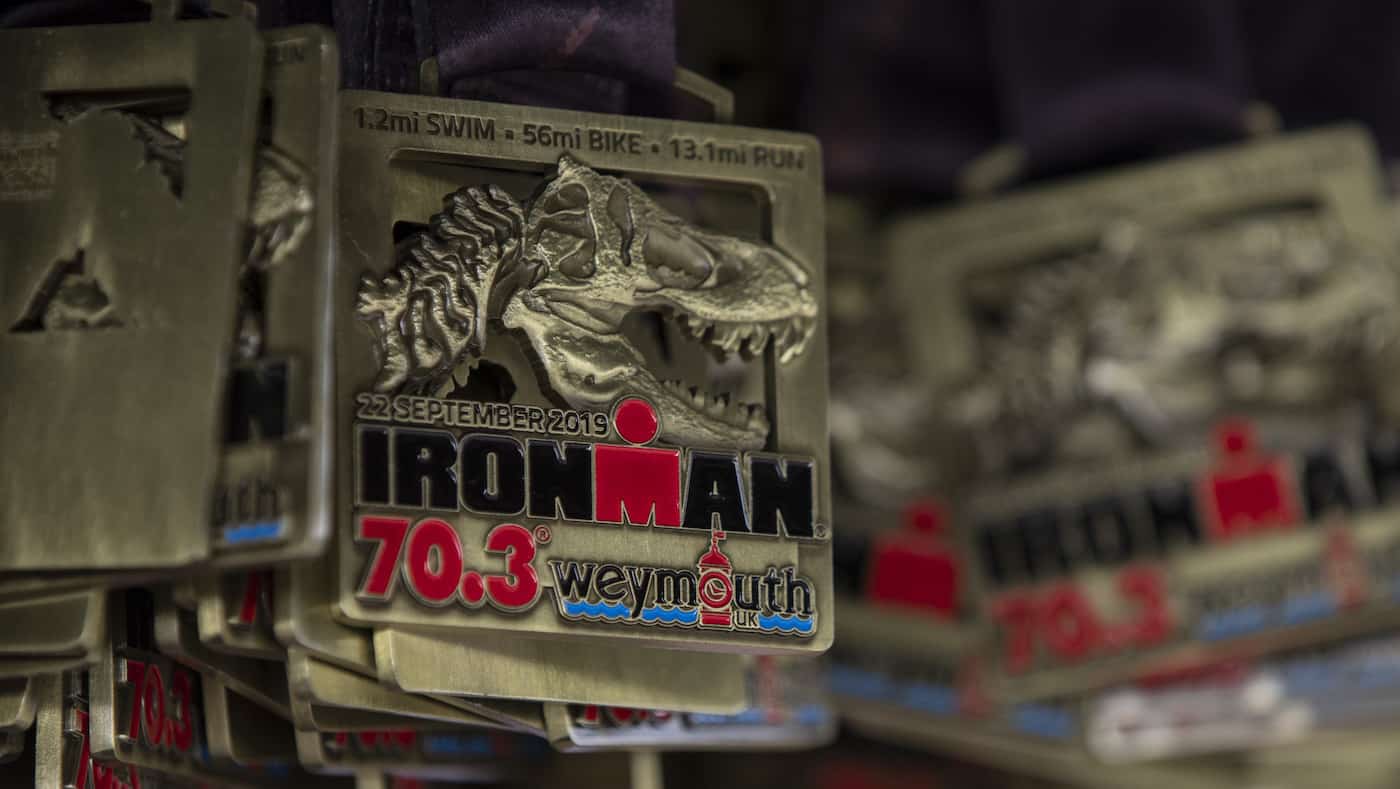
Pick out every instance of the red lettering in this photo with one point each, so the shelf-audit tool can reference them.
(637, 485)
(434, 586)
(389, 534)
(180, 730)
(520, 586)
(136, 676)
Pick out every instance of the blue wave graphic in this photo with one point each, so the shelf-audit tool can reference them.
(1308, 607)
(1233, 623)
(253, 532)
(930, 698)
(609, 611)
(656, 613)
(458, 745)
(785, 623)
(852, 681)
(1043, 721)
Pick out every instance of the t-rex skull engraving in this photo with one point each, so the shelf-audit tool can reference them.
(1146, 340)
(564, 270)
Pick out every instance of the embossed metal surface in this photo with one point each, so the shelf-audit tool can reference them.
(234, 614)
(66, 624)
(788, 710)
(497, 275)
(17, 701)
(326, 685)
(306, 593)
(273, 501)
(118, 290)
(1170, 398)
(241, 732)
(264, 682)
(525, 668)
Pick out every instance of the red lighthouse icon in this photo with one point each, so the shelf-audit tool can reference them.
(716, 586)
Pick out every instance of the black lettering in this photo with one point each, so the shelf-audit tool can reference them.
(799, 593)
(994, 540)
(424, 458)
(373, 464)
(257, 407)
(1173, 512)
(782, 494)
(714, 489)
(501, 492)
(611, 583)
(572, 579)
(1107, 532)
(1042, 544)
(771, 582)
(675, 587)
(746, 591)
(1325, 489)
(1383, 462)
(561, 485)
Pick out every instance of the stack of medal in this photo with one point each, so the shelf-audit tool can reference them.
(909, 664)
(546, 520)
(382, 473)
(1173, 383)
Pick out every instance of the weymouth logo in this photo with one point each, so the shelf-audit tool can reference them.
(710, 596)
(495, 474)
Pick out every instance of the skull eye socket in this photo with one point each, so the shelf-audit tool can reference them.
(565, 230)
(574, 254)
(569, 197)
(676, 260)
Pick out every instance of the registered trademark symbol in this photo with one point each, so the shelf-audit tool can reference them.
(542, 534)
(820, 531)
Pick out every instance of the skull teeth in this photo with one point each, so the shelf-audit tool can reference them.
(723, 406)
(789, 335)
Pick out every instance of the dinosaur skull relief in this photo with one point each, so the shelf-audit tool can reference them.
(563, 270)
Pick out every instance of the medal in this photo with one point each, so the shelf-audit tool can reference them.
(53, 633)
(322, 684)
(242, 732)
(788, 710)
(523, 669)
(273, 500)
(1207, 485)
(540, 269)
(101, 284)
(234, 615)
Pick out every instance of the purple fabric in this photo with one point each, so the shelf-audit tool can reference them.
(904, 94)
(600, 55)
(901, 94)
(1087, 83)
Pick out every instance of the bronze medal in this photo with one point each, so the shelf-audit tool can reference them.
(1174, 435)
(101, 284)
(488, 431)
(788, 710)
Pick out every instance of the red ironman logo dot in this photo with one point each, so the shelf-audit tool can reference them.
(924, 516)
(636, 421)
(1235, 437)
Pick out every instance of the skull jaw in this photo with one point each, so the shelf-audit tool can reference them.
(592, 371)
